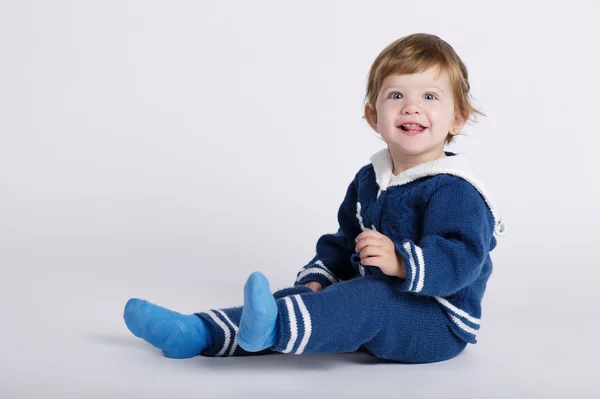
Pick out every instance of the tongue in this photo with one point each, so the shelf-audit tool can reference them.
(415, 129)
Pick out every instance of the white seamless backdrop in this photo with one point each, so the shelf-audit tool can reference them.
(166, 150)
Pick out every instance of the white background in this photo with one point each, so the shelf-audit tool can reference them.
(167, 149)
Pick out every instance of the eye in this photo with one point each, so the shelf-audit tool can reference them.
(393, 95)
(430, 96)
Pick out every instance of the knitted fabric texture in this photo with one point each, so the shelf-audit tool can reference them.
(364, 314)
(443, 223)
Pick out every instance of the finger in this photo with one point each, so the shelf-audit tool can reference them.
(370, 241)
(366, 242)
(370, 251)
(366, 234)
(313, 286)
(372, 261)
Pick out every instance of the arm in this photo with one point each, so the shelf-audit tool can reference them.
(333, 251)
(457, 230)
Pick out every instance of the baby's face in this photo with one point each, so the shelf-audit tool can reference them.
(422, 98)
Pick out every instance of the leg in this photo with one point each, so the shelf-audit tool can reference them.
(225, 325)
(180, 336)
(364, 313)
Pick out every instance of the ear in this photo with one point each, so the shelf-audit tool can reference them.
(371, 117)
(458, 124)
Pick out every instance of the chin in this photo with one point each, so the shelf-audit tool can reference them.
(410, 150)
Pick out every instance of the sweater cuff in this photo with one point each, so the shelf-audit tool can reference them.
(414, 276)
(314, 277)
(315, 272)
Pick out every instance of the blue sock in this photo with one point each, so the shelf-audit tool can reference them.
(179, 336)
(259, 315)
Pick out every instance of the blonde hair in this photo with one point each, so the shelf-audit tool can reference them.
(417, 53)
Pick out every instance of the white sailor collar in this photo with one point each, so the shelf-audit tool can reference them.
(454, 164)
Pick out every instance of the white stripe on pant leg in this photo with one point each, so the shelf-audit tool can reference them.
(413, 268)
(235, 331)
(421, 262)
(307, 324)
(225, 330)
(293, 325)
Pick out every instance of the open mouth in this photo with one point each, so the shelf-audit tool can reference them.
(412, 128)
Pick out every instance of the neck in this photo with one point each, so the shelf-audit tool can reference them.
(403, 161)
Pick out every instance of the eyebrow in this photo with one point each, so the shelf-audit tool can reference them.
(385, 88)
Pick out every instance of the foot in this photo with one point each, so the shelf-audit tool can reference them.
(179, 336)
(259, 315)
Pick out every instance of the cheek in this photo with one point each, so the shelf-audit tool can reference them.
(441, 116)
(386, 115)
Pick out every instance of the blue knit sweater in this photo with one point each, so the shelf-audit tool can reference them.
(442, 221)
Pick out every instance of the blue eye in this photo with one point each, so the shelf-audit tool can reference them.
(394, 93)
(431, 96)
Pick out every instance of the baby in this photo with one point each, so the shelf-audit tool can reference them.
(404, 275)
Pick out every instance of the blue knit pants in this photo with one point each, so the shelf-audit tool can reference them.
(363, 314)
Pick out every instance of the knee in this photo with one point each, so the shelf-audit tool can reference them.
(377, 287)
(298, 289)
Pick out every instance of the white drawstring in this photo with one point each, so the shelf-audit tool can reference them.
(500, 228)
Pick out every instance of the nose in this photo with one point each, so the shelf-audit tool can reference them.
(410, 108)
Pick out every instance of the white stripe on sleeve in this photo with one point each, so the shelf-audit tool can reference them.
(413, 268)
(421, 262)
(316, 270)
(320, 263)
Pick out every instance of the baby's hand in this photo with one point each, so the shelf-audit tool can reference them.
(313, 285)
(378, 250)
